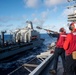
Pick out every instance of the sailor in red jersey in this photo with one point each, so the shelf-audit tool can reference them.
(70, 49)
(59, 51)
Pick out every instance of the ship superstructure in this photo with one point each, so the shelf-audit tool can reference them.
(26, 34)
(72, 16)
(22, 39)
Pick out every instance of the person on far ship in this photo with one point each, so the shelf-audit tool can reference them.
(59, 51)
(70, 50)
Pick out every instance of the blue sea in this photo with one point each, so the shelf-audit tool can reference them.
(10, 65)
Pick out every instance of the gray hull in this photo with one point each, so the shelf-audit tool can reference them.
(10, 51)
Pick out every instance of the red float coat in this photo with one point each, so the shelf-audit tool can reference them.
(70, 43)
(60, 40)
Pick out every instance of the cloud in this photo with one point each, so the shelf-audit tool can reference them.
(64, 15)
(67, 12)
(49, 3)
(33, 15)
(45, 14)
(5, 19)
(38, 22)
(32, 3)
(55, 9)
(9, 25)
(38, 3)
(6, 25)
(1, 25)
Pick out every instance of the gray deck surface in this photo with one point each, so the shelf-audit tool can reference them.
(50, 65)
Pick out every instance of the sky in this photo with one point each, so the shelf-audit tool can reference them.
(49, 14)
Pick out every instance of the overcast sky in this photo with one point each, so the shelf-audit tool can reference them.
(50, 14)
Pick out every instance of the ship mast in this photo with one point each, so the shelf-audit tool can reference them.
(72, 16)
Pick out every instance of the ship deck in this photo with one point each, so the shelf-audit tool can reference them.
(39, 66)
(50, 65)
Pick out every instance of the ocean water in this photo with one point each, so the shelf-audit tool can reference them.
(7, 37)
(48, 39)
(18, 60)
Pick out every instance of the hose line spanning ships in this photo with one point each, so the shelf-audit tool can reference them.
(22, 40)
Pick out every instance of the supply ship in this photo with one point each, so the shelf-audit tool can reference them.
(21, 40)
(42, 63)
